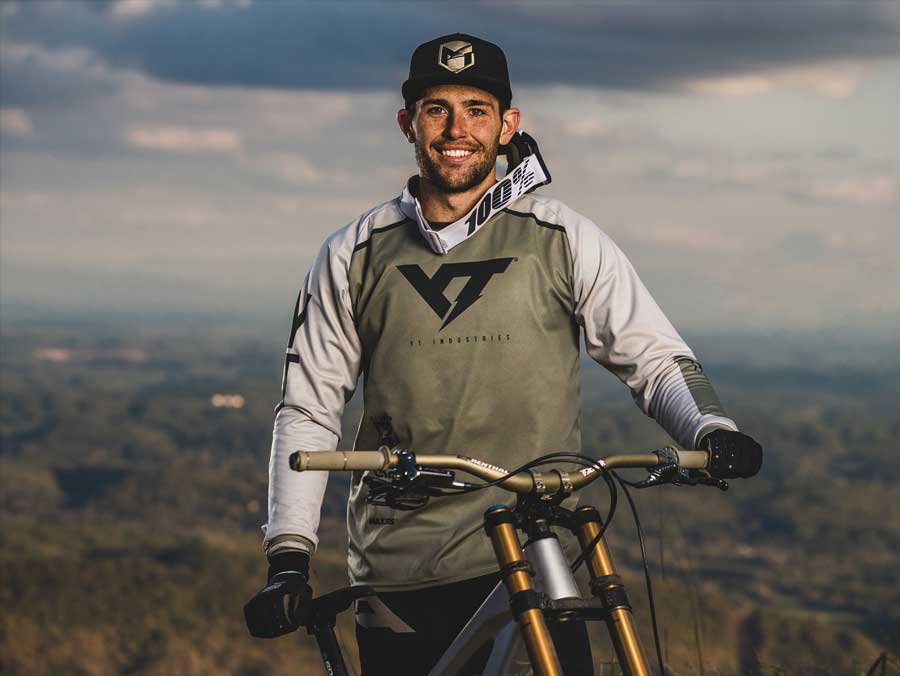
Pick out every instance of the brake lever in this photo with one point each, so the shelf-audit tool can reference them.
(406, 486)
(670, 473)
(659, 475)
(694, 479)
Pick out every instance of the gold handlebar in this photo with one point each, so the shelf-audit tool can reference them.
(546, 481)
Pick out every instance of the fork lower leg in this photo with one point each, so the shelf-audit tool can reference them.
(499, 524)
(607, 585)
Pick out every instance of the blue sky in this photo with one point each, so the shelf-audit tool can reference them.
(191, 156)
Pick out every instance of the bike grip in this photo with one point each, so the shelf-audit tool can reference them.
(304, 461)
(693, 459)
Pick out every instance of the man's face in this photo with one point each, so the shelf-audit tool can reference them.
(457, 131)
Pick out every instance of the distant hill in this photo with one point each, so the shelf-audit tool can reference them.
(131, 503)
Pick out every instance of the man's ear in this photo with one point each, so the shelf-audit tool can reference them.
(404, 121)
(510, 125)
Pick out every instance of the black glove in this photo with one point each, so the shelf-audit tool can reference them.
(732, 455)
(281, 606)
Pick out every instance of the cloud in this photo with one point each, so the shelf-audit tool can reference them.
(32, 74)
(734, 86)
(830, 80)
(687, 239)
(647, 45)
(128, 9)
(224, 4)
(15, 122)
(295, 169)
(586, 126)
(835, 174)
(301, 163)
(720, 171)
(131, 9)
(299, 113)
(184, 139)
(860, 190)
(804, 245)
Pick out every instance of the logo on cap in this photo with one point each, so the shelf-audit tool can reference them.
(456, 56)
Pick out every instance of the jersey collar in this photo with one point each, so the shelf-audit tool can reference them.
(526, 176)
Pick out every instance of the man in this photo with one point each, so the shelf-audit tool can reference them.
(462, 302)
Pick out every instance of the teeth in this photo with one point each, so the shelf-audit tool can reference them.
(456, 153)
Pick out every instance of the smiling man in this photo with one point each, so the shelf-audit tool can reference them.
(457, 131)
(463, 302)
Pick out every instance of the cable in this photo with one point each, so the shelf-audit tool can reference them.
(637, 524)
(632, 484)
(613, 500)
(550, 458)
(584, 461)
(576, 459)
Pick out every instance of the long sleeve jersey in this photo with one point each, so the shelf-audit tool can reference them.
(467, 339)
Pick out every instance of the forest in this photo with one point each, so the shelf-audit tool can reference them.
(134, 470)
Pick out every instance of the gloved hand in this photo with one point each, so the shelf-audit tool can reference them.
(281, 606)
(732, 455)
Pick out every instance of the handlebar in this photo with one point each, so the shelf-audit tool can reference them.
(526, 481)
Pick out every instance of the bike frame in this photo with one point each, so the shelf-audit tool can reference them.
(511, 615)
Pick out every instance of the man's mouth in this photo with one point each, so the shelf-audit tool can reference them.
(456, 154)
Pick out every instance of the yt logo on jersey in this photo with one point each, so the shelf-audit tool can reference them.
(432, 288)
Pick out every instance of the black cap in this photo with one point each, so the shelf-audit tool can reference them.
(458, 59)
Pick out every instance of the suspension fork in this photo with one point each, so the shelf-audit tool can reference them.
(607, 586)
(499, 522)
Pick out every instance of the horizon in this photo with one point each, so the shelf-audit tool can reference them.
(761, 350)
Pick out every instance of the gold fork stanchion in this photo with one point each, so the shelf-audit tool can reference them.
(607, 586)
(499, 523)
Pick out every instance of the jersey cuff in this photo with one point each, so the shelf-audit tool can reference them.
(288, 542)
(713, 423)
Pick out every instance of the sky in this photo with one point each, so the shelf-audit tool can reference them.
(191, 157)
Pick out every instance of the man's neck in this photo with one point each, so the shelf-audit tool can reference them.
(441, 206)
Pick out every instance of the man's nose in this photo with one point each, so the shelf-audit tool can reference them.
(455, 127)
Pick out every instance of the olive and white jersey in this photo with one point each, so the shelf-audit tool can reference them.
(467, 340)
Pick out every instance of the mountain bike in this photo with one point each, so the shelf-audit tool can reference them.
(537, 584)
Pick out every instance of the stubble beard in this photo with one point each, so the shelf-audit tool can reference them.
(458, 182)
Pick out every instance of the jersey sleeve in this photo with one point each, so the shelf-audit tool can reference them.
(321, 369)
(627, 332)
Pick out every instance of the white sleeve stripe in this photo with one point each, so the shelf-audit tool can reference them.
(675, 409)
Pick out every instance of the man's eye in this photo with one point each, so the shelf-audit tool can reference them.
(435, 110)
(477, 112)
